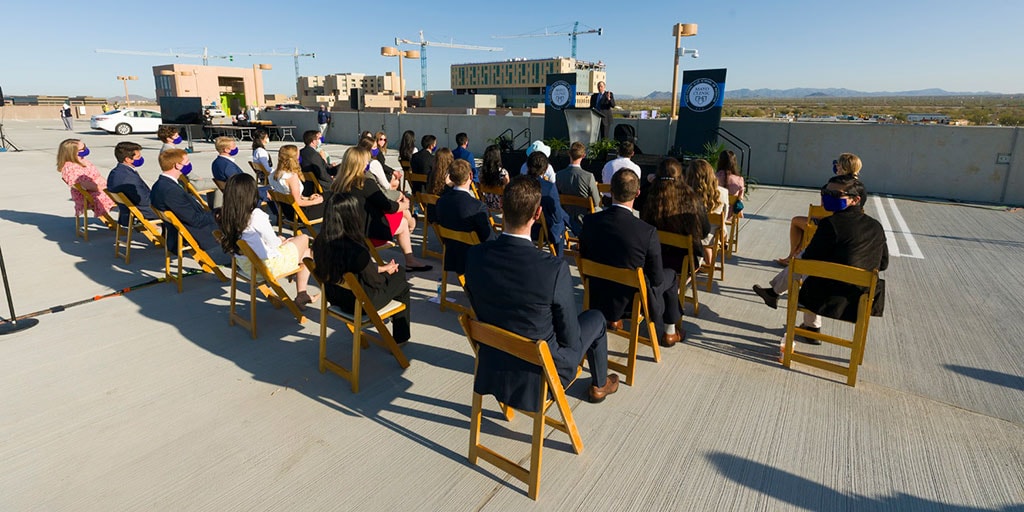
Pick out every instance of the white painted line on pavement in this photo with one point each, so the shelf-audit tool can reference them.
(915, 251)
(894, 250)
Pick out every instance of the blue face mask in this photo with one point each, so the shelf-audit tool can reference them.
(234, 151)
(187, 168)
(835, 166)
(83, 153)
(834, 204)
(177, 140)
(374, 152)
(139, 162)
(321, 139)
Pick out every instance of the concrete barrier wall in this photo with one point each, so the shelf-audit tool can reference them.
(947, 162)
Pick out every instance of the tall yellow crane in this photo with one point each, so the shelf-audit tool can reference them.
(423, 44)
(575, 32)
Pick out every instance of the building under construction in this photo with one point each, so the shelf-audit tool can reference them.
(521, 82)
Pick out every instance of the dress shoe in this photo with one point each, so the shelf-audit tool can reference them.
(804, 339)
(768, 296)
(597, 394)
(667, 340)
(615, 326)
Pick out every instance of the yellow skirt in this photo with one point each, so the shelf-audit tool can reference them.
(284, 263)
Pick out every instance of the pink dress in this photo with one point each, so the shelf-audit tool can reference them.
(734, 183)
(82, 174)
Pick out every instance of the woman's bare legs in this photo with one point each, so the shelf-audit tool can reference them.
(405, 243)
(797, 225)
(301, 243)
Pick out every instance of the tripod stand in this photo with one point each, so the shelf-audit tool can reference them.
(12, 325)
(6, 143)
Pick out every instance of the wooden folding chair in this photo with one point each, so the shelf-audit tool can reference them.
(493, 214)
(266, 282)
(136, 222)
(309, 176)
(368, 316)
(186, 242)
(688, 272)
(718, 247)
(551, 393)
(298, 220)
(199, 194)
(542, 241)
(449, 235)
(425, 200)
(586, 203)
(262, 173)
(866, 279)
(82, 219)
(375, 250)
(815, 212)
(734, 227)
(639, 318)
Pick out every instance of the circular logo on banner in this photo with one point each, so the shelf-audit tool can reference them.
(560, 94)
(702, 94)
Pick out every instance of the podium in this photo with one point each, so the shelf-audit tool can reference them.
(584, 125)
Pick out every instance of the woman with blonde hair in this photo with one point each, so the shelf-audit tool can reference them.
(700, 176)
(287, 179)
(74, 169)
(385, 218)
(846, 164)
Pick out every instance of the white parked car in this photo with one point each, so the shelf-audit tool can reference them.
(127, 120)
(215, 112)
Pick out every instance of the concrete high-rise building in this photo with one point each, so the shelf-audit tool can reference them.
(232, 89)
(521, 82)
(314, 91)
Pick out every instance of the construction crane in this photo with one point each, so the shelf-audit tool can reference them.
(171, 53)
(423, 44)
(575, 32)
(276, 53)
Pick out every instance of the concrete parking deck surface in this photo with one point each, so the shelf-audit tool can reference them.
(150, 401)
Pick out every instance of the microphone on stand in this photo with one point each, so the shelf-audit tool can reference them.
(12, 325)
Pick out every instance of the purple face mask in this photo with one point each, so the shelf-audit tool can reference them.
(835, 166)
(139, 162)
(177, 140)
(84, 152)
(374, 152)
(187, 168)
(234, 151)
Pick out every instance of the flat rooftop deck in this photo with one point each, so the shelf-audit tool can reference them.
(151, 401)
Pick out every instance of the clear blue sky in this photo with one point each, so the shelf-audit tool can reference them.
(867, 45)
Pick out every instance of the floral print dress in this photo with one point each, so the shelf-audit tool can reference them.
(73, 173)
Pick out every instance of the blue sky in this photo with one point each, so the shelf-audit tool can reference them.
(867, 45)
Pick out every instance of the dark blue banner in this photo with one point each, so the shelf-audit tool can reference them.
(700, 109)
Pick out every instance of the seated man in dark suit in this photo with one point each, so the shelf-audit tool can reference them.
(575, 181)
(458, 210)
(848, 237)
(514, 286)
(126, 180)
(168, 195)
(422, 161)
(615, 237)
(312, 161)
(224, 165)
(554, 215)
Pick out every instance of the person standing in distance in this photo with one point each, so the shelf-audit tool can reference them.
(323, 118)
(65, 115)
(603, 102)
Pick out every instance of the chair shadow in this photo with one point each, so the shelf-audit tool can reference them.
(806, 494)
(1015, 382)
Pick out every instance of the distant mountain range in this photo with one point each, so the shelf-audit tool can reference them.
(806, 92)
(134, 97)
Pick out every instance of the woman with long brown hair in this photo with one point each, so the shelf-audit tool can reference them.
(385, 218)
(700, 176)
(74, 169)
(437, 181)
(673, 206)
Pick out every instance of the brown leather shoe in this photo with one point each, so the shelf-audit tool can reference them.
(616, 325)
(668, 340)
(597, 394)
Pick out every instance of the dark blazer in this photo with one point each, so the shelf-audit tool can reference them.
(554, 215)
(615, 237)
(849, 237)
(126, 180)
(536, 301)
(167, 194)
(224, 168)
(376, 204)
(311, 161)
(606, 102)
(422, 162)
(460, 211)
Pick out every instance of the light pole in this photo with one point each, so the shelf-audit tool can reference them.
(258, 80)
(125, 79)
(680, 30)
(391, 51)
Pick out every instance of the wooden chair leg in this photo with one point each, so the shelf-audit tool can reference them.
(537, 451)
(474, 428)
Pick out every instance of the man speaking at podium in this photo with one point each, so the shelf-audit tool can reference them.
(603, 102)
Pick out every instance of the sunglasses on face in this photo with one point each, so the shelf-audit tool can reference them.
(382, 140)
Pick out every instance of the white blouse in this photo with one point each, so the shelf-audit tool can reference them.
(260, 236)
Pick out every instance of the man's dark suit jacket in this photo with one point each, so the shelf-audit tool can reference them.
(514, 286)
(167, 194)
(311, 161)
(459, 211)
(126, 180)
(224, 168)
(849, 237)
(422, 162)
(615, 237)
